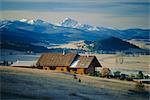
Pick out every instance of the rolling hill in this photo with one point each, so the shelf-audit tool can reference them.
(113, 44)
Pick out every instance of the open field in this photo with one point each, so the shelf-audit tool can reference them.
(142, 43)
(72, 45)
(25, 83)
(131, 64)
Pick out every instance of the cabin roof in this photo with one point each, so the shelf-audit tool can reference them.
(70, 59)
(56, 59)
(83, 62)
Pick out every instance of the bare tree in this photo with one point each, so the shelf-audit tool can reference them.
(119, 57)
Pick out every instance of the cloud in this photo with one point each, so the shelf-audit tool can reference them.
(78, 6)
(127, 12)
(136, 3)
(83, 6)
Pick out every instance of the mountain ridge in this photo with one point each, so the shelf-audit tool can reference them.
(41, 26)
(48, 33)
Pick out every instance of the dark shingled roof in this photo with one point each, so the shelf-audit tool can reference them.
(56, 59)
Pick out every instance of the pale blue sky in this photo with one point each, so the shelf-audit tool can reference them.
(106, 13)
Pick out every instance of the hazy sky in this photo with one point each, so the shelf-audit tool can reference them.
(105, 13)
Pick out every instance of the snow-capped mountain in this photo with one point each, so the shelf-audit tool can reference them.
(68, 22)
(87, 27)
(71, 29)
(35, 22)
(29, 21)
(39, 31)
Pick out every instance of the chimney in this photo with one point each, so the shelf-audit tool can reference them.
(63, 51)
(17, 61)
(87, 55)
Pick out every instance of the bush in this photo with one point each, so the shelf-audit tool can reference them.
(140, 75)
(132, 76)
(90, 74)
(122, 77)
(79, 80)
(117, 74)
(111, 76)
(98, 74)
(147, 77)
(140, 87)
(105, 72)
(75, 76)
(129, 79)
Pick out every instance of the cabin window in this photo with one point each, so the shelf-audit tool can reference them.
(62, 69)
(52, 68)
(46, 68)
(74, 69)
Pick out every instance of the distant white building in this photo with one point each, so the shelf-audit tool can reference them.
(24, 63)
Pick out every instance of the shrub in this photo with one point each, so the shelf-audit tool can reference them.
(97, 73)
(132, 76)
(117, 74)
(75, 76)
(140, 75)
(105, 72)
(79, 80)
(122, 77)
(129, 79)
(140, 87)
(146, 77)
(90, 74)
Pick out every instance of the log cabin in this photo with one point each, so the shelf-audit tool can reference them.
(73, 63)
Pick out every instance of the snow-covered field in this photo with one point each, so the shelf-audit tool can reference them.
(29, 84)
